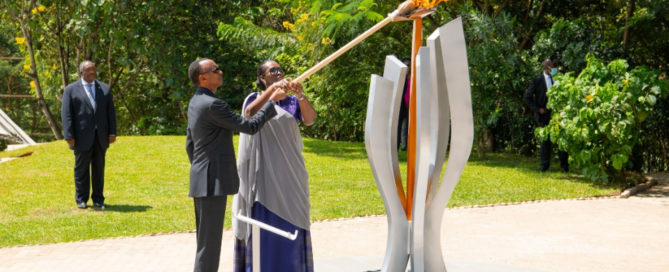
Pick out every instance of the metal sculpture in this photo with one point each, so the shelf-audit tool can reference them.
(442, 103)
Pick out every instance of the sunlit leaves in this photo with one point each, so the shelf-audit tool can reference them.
(597, 115)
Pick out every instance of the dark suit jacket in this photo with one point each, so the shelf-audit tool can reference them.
(535, 97)
(211, 122)
(80, 119)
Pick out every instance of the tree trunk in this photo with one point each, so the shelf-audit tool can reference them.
(528, 34)
(64, 64)
(630, 11)
(38, 90)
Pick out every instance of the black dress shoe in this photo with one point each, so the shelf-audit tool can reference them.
(99, 206)
(81, 205)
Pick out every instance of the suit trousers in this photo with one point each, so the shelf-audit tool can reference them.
(209, 214)
(545, 150)
(89, 169)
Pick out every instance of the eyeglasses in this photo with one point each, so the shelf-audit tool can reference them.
(275, 70)
(216, 69)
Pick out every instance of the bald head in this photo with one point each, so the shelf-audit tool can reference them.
(87, 70)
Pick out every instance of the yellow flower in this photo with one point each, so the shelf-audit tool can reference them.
(326, 41)
(47, 73)
(589, 97)
(303, 18)
(300, 37)
(20, 40)
(54, 67)
(288, 25)
(32, 84)
(39, 8)
(626, 82)
(26, 67)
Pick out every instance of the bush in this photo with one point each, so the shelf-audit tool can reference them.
(598, 116)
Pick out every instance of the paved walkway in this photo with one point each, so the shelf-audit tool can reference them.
(608, 234)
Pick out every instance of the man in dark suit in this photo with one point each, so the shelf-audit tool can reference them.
(89, 126)
(535, 97)
(213, 171)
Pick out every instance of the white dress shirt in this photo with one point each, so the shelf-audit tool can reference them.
(549, 81)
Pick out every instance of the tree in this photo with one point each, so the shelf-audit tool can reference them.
(20, 12)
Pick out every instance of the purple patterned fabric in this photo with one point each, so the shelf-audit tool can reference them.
(407, 92)
(276, 252)
(289, 104)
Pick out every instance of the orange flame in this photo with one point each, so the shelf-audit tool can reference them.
(425, 4)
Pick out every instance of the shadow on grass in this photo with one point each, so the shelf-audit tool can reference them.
(127, 208)
(508, 160)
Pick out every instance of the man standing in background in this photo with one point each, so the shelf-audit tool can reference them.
(536, 99)
(89, 126)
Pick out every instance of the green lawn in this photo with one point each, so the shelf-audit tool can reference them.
(146, 188)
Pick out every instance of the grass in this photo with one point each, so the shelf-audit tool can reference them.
(146, 188)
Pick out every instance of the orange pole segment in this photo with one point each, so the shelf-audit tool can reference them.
(400, 192)
(411, 147)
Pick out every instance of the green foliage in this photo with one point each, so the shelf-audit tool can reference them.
(143, 48)
(648, 43)
(598, 115)
(147, 193)
(652, 152)
(499, 73)
(340, 90)
(567, 42)
(309, 33)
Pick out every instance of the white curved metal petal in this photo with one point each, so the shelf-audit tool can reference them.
(424, 156)
(454, 55)
(380, 142)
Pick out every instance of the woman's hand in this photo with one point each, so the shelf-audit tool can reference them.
(296, 88)
(278, 90)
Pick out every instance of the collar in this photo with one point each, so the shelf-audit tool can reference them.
(83, 81)
(206, 91)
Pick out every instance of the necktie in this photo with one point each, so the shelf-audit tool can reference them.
(91, 90)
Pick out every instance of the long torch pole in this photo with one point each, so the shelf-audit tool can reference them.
(417, 42)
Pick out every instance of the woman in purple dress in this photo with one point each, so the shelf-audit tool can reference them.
(273, 178)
